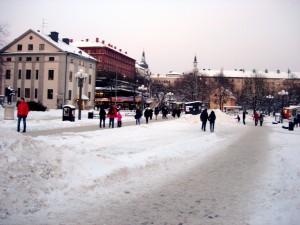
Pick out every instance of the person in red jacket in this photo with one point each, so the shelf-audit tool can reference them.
(22, 113)
(112, 114)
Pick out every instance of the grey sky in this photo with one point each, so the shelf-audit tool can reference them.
(233, 34)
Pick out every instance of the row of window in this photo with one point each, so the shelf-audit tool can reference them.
(29, 59)
(28, 74)
(50, 94)
(37, 59)
(30, 47)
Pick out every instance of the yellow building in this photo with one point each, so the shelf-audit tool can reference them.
(42, 68)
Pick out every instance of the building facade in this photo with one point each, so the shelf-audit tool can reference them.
(42, 68)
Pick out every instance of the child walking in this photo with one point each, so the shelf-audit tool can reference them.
(119, 116)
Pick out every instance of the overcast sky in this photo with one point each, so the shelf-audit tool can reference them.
(233, 34)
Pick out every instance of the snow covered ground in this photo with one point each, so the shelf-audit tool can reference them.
(39, 174)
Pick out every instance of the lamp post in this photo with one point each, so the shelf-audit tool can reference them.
(269, 97)
(170, 94)
(195, 63)
(80, 76)
(282, 93)
(142, 89)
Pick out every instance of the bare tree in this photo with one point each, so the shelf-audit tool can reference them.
(292, 84)
(222, 89)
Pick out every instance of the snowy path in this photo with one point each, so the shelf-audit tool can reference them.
(218, 190)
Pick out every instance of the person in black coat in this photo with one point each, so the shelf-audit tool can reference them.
(212, 118)
(156, 112)
(204, 118)
(147, 114)
(102, 116)
(138, 115)
(244, 117)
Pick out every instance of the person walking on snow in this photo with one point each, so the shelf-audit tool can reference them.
(147, 114)
(212, 118)
(112, 114)
(138, 115)
(102, 116)
(244, 117)
(22, 114)
(156, 112)
(119, 116)
(261, 119)
(256, 118)
(203, 118)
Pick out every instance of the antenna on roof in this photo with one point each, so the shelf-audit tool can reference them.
(43, 25)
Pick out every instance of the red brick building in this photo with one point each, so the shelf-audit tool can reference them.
(110, 58)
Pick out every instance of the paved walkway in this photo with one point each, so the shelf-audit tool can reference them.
(91, 127)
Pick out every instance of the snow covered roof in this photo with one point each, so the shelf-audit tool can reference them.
(235, 74)
(88, 43)
(60, 45)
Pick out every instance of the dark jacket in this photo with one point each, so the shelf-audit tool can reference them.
(212, 117)
(138, 113)
(204, 115)
(102, 113)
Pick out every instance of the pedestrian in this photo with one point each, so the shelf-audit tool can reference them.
(119, 116)
(156, 112)
(112, 114)
(138, 115)
(256, 118)
(212, 118)
(22, 114)
(203, 118)
(238, 118)
(261, 119)
(102, 116)
(147, 114)
(151, 113)
(178, 112)
(244, 117)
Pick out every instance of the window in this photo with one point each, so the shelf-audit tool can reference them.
(27, 92)
(90, 79)
(19, 92)
(37, 74)
(30, 47)
(42, 47)
(51, 58)
(7, 74)
(37, 59)
(28, 59)
(71, 60)
(19, 47)
(35, 93)
(20, 75)
(91, 66)
(28, 74)
(8, 59)
(70, 76)
(20, 59)
(70, 95)
(50, 94)
(51, 75)
(89, 95)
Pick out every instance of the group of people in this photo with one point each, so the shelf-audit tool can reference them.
(112, 113)
(259, 118)
(204, 117)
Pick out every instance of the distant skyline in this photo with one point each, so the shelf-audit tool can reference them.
(229, 34)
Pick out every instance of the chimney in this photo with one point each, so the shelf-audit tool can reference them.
(66, 40)
(97, 40)
(103, 42)
(71, 40)
(54, 36)
(87, 40)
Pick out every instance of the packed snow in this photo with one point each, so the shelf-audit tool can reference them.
(41, 173)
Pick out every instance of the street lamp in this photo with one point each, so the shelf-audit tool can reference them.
(282, 93)
(80, 76)
(170, 94)
(195, 63)
(142, 89)
(269, 97)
